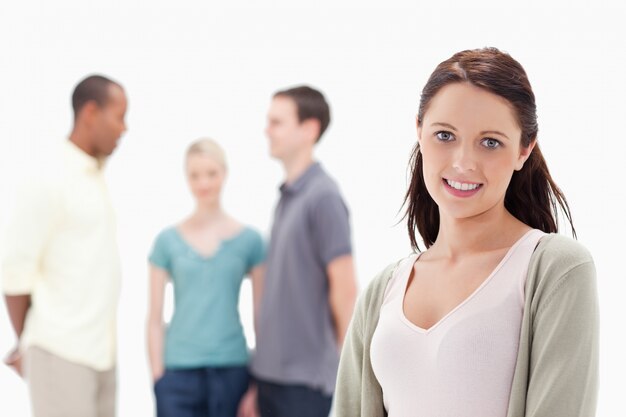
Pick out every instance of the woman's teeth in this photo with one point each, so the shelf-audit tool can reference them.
(462, 186)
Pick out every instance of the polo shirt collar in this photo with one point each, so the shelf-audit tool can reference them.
(80, 159)
(302, 180)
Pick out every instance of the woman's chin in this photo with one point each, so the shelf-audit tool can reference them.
(209, 200)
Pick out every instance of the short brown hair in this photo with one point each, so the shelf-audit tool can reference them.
(311, 104)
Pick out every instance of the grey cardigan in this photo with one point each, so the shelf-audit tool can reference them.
(556, 374)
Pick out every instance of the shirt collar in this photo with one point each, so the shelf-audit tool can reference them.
(80, 159)
(302, 180)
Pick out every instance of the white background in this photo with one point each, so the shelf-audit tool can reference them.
(194, 69)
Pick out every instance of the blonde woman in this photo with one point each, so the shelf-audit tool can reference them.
(199, 362)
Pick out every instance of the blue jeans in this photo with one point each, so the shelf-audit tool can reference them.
(201, 392)
(278, 400)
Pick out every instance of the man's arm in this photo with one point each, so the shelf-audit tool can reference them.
(331, 236)
(248, 403)
(34, 215)
(342, 294)
(17, 306)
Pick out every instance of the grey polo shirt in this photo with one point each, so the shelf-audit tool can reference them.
(296, 341)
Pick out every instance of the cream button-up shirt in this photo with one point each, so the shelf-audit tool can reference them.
(61, 248)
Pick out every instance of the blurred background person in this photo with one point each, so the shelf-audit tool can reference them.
(199, 362)
(61, 265)
(310, 286)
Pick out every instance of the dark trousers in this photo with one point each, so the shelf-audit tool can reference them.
(277, 400)
(202, 392)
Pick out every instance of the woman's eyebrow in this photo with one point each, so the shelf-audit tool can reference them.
(486, 132)
(449, 126)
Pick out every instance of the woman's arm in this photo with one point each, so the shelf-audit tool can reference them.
(349, 389)
(257, 275)
(358, 393)
(247, 406)
(156, 330)
(563, 372)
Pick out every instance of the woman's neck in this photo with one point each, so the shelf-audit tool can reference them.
(492, 230)
(207, 214)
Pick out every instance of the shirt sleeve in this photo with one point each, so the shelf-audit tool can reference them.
(257, 253)
(350, 381)
(35, 214)
(160, 256)
(563, 374)
(357, 391)
(331, 228)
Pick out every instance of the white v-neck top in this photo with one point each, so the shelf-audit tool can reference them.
(463, 365)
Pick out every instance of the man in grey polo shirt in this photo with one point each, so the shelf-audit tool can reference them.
(309, 288)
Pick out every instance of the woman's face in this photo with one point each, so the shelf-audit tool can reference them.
(205, 176)
(470, 145)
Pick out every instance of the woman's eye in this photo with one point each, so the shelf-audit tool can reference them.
(491, 143)
(444, 136)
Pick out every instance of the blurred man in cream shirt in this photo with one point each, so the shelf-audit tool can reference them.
(60, 267)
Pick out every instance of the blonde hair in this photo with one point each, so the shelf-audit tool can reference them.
(207, 146)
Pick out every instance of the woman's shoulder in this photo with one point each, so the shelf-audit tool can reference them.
(559, 251)
(371, 299)
(375, 290)
(558, 260)
(167, 233)
(251, 233)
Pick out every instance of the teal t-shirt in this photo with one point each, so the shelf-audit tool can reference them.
(206, 329)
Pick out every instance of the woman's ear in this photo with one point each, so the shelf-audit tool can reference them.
(524, 154)
(419, 130)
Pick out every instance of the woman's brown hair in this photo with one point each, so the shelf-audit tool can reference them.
(532, 195)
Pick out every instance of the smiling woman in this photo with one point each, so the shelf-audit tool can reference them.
(495, 316)
(494, 86)
(475, 155)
